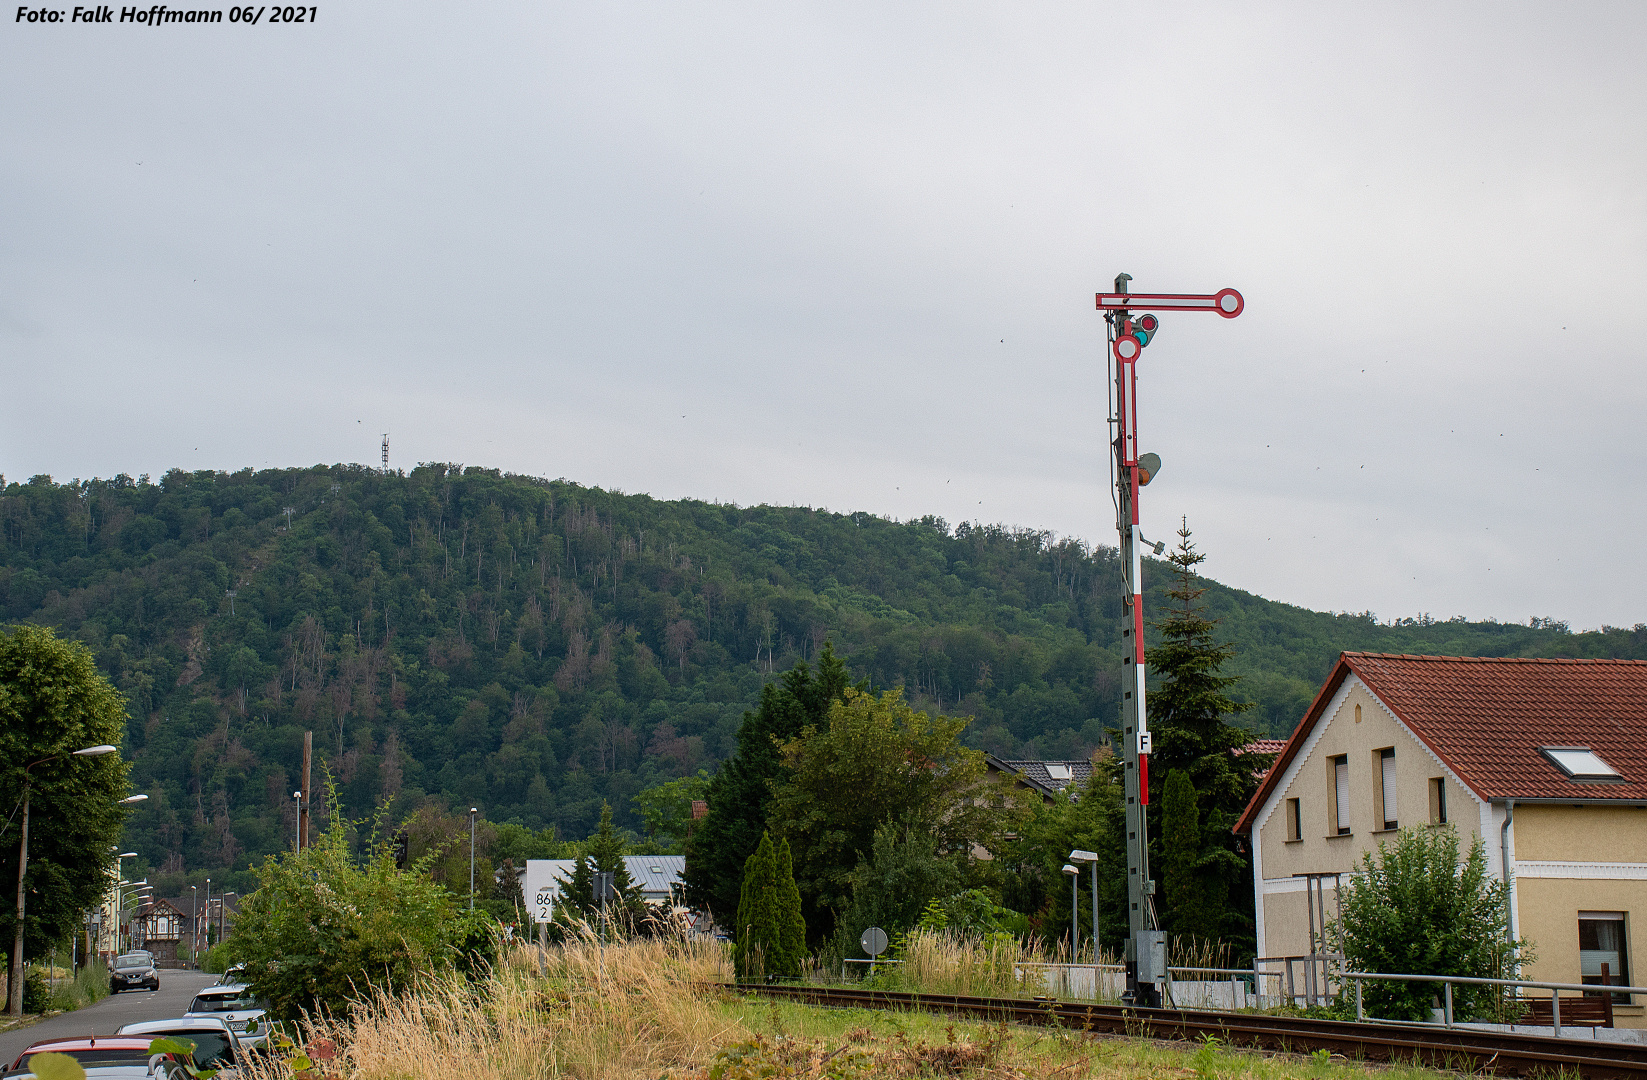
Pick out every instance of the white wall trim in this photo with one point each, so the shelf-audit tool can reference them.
(1585, 871)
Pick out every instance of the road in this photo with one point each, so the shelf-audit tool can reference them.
(177, 989)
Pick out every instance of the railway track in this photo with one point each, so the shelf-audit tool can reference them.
(1460, 1049)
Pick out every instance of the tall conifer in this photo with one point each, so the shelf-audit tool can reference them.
(789, 910)
(1189, 713)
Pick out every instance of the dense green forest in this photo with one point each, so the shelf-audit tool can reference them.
(537, 648)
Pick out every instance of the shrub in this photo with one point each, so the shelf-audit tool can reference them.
(216, 960)
(322, 931)
(36, 991)
(1415, 908)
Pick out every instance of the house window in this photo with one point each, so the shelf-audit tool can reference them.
(1295, 821)
(1438, 800)
(1603, 959)
(1386, 787)
(1339, 769)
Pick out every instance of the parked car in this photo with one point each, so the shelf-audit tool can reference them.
(116, 1057)
(235, 974)
(237, 1006)
(216, 1045)
(133, 971)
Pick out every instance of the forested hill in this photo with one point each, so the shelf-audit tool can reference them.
(535, 647)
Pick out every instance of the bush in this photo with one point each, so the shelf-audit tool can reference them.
(1415, 909)
(216, 960)
(322, 932)
(36, 991)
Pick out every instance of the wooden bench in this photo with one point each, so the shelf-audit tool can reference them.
(1590, 1010)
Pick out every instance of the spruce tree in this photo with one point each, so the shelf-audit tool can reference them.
(1189, 711)
(741, 789)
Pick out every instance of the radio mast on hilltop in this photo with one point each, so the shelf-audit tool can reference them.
(385, 451)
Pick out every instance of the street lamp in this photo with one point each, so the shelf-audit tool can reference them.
(1091, 859)
(1074, 910)
(194, 921)
(472, 812)
(14, 1006)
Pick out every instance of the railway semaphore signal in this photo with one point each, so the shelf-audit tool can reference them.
(1146, 955)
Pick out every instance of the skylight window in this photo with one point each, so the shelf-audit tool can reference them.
(1580, 763)
(1058, 772)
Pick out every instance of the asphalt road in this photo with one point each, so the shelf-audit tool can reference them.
(177, 989)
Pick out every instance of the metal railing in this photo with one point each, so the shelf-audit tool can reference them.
(1447, 982)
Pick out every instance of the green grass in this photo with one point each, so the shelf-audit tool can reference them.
(90, 985)
(872, 1042)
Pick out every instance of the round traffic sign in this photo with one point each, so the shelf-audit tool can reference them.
(873, 941)
(1228, 303)
(1127, 347)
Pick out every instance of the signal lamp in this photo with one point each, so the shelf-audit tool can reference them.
(1148, 466)
(1144, 328)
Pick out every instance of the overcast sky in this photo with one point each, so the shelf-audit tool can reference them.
(845, 255)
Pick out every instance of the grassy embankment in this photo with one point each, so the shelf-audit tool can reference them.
(639, 1011)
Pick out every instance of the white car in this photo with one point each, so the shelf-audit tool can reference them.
(216, 1044)
(236, 1006)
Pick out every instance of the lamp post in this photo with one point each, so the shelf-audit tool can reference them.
(194, 922)
(472, 812)
(14, 1006)
(208, 913)
(297, 801)
(1091, 859)
(1074, 910)
(134, 898)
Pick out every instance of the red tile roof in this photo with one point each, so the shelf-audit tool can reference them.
(1266, 747)
(1486, 717)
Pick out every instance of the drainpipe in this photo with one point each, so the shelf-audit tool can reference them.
(1504, 856)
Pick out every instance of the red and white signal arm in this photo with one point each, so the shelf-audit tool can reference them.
(1225, 302)
(1127, 347)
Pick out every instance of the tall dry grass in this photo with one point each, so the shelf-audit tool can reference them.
(631, 1010)
(945, 962)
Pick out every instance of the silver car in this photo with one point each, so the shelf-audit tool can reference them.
(216, 1044)
(134, 971)
(236, 1006)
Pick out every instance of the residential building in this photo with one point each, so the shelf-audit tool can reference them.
(1544, 760)
(659, 878)
(1048, 779)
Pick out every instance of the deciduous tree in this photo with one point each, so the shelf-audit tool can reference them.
(53, 701)
(879, 761)
(740, 791)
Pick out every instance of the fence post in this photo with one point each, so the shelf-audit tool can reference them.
(1359, 1014)
(1447, 1002)
(1292, 997)
(1555, 1011)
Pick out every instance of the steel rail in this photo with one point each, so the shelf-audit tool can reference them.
(1466, 1049)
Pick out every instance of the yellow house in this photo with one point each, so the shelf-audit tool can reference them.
(1545, 760)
